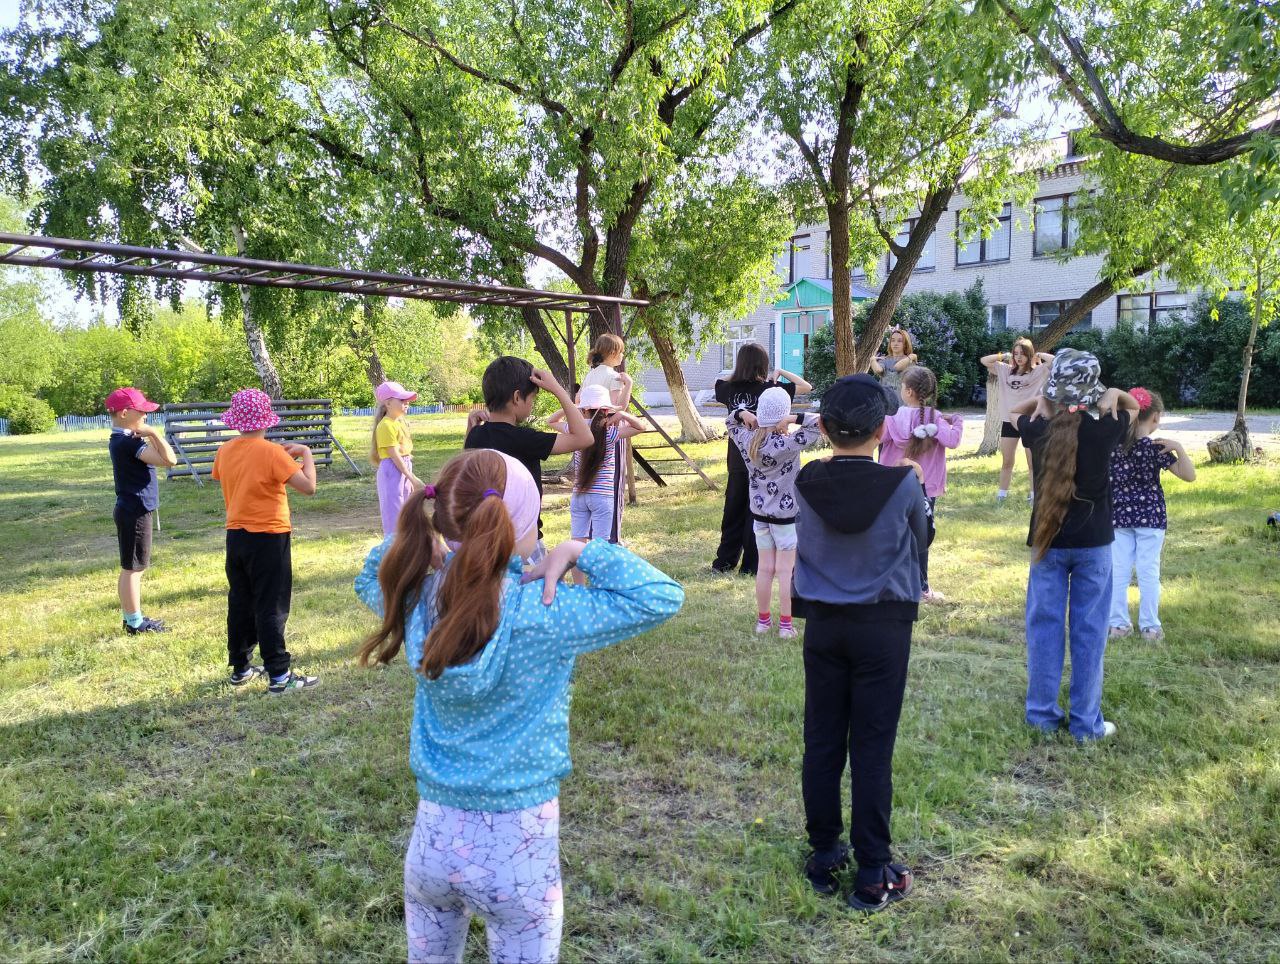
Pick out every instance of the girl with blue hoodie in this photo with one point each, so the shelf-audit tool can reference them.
(493, 651)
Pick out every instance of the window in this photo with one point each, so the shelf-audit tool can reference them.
(1045, 313)
(926, 262)
(729, 350)
(803, 323)
(980, 250)
(1055, 225)
(793, 250)
(1143, 309)
(997, 317)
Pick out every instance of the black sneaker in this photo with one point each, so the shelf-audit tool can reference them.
(821, 874)
(894, 885)
(247, 675)
(148, 625)
(293, 683)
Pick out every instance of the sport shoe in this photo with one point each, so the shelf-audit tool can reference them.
(148, 625)
(1120, 632)
(821, 874)
(787, 631)
(895, 884)
(932, 596)
(247, 675)
(763, 627)
(293, 683)
(1000, 498)
(1154, 633)
(1108, 730)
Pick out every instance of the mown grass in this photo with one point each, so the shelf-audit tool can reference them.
(148, 811)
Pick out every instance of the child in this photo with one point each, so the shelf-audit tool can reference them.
(606, 355)
(863, 532)
(772, 456)
(493, 655)
(1138, 514)
(919, 434)
(741, 390)
(1020, 375)
(510, 387)
(1076, 426)
(135, 449)
(889, 368)
(253, 473)
(393, 452)
(595, 507)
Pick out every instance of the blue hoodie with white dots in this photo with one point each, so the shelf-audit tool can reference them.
(493, 733)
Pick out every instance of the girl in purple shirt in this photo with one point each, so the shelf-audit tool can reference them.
(1138, 514)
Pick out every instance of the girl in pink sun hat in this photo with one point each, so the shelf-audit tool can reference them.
(393, 452)
(254, 473)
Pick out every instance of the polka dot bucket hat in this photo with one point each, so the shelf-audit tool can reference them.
(250, 411)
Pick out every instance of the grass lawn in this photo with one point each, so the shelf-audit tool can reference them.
(149, 811)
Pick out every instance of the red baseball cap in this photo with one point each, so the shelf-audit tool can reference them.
(123, 398)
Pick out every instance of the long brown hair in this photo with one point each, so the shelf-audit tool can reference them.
(468, 601)
(752, 363)
(1029, 347)
(924, 385)
(1154, 410)
(1056, 478)
(606, 346)
(906, 341)
(378, 416)
(591, 459)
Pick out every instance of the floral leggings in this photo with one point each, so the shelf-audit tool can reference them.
(504, 866)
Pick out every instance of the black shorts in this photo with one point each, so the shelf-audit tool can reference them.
(1009, 430)
(134, 534)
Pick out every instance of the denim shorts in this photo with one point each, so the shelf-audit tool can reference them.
(775, 535)
(590, 515)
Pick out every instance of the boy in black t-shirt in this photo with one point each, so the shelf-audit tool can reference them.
(136, 449)
(510, 388)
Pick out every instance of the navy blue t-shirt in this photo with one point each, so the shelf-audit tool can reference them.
(137, 490)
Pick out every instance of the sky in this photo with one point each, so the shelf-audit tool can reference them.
(1034, 110)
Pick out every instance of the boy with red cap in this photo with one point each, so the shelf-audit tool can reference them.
(136, 449)
(253, 473)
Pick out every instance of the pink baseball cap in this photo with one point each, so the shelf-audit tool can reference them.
(389, 390)
(123, 398)
(250, 411)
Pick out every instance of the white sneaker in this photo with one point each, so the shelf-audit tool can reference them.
(1108, 729)
(762, 628)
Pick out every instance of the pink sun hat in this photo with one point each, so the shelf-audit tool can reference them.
(389, 390)
(250, 411)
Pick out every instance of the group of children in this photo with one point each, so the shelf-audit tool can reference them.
(464, 585)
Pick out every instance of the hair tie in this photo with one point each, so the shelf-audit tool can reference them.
(428, 491)
(1142, 397)
(1075, 408)
(489, 492)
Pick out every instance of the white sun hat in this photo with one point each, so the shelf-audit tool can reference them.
(773, 407)
(595, 396)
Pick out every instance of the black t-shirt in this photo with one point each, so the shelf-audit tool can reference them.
(1088, 520)
(137, 490)
(734, 395)
(526, 445)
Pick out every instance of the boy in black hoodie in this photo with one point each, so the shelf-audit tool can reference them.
(863, 538)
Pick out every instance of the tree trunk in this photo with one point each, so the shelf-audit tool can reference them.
(545, 342)
(257, 342)
(692, 428)
(991, 426)
(1236, 445)
(361, 339)
(841, 297)
(1095, 296)
(895, 283)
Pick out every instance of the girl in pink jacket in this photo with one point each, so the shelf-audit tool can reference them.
(919, 434)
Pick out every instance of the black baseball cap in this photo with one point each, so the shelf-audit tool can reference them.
(854, 406)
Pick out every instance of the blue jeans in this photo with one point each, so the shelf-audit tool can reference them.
(1075, 583)
(1136, 549)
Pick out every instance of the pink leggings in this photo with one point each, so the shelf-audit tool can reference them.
(503, 866)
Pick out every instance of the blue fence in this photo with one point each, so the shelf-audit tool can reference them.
(83, 423)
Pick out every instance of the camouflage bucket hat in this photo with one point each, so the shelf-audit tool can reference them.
(1073, 381)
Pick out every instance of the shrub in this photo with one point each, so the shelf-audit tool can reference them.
(26, 415)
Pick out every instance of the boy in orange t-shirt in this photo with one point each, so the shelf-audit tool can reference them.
(253, 473)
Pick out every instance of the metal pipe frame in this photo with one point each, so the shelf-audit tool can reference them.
(69, 254)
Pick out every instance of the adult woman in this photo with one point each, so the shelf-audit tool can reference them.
(741, 391)
(1021, 374)
(889, 368)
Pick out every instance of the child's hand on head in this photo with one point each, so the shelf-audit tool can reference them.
(552, 567)
(748, 419)
(477, 417)
(915, 467)
(544, 379)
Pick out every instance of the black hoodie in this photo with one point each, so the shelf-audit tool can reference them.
(863, 535)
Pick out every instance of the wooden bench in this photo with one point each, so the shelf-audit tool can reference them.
(195, 430)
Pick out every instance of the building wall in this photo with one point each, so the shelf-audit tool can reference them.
(1023, 279)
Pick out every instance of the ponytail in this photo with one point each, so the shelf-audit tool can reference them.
(757, 442)
(378, 416)
(468, 602)
(1057, 482)
(591, 459)
(606, 346)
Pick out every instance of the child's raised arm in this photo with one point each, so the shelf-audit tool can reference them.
(950, 430)
(1183, 468)
(304, 480)
(628, 425)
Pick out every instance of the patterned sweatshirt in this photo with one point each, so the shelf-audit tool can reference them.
(773, 478)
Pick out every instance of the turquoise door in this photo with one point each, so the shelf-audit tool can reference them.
(797, 326)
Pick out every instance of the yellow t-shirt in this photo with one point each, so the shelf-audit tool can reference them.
(393, 432)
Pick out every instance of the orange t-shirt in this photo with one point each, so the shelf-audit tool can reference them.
(253, 472)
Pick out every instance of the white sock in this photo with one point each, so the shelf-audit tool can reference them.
(1001, 493)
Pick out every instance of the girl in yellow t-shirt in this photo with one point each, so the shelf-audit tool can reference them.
(393, 452)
